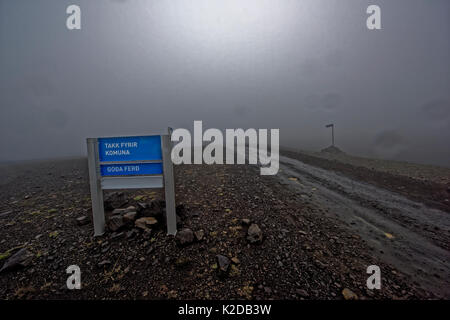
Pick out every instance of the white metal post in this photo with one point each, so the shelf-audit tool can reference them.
(98, 212)
(169, 185)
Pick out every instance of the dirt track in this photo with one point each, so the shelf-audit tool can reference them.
(306, 253)
(407, 234)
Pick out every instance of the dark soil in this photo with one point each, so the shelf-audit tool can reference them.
(304, 255)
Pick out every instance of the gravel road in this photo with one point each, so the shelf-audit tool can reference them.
(407, 234)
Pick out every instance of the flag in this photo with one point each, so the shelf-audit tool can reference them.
(329, 125)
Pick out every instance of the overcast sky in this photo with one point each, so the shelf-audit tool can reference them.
(137, 67)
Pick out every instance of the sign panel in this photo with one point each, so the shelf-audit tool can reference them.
(130, 163)
(130, 148)
(130, 169)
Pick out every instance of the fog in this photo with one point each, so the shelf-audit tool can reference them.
(137, 67)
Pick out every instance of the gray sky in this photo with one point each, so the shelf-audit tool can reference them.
(137, 67)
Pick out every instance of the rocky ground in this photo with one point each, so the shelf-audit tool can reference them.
(244, 236)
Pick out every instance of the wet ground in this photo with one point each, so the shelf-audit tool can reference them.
(319, 237)
(407, 234)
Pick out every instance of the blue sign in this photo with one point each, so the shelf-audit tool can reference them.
(130, 169)
(130, 148)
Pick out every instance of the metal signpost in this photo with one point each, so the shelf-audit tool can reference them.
(130, 163)
(332, 132)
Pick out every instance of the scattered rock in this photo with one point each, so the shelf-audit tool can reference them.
(254, 234)
(145, 223)
(119, 211)
(349, 294)
(199, 235)
(223, 263)
(130, 209)
(154, 209)
(129, 217)
(147, 234)
(20, 259)
(235, 260)
(115, 223)
(234, 271)
(246, 222)
(83, 220)
(184, 237)
(117, 235)
(4, 214)
(302, 293)
(104, 263)
(181, 210)
(115, 200)
(182, 262)
(132, 233)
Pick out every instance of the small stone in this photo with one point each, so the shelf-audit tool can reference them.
(199, 235)
(117, 235)
(254, 234)
(132, 233)
(184, 237)
(129, 217)
(118, 211)
(104, 263)
(4, 214)
(223, 264)
(182, 262)
(115, 223)
(20, 259)
(145, 222)
(130, 209)
(115, 200)
(147, 234)
(83, 220)
(245, 222)
(349, 294)
(302, 293)
(235, 260)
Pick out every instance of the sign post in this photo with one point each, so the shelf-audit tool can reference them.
(331, 125)
(130, 163)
